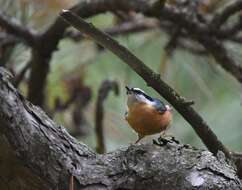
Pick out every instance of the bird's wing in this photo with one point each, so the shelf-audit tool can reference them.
(160, 106)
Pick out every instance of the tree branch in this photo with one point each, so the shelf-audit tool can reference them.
(20, 76)
(7, 39)
(122, 29)
(103, 91)
(12, 26)
(221, 17)
(37, 153)
(221, 56)
(152, 79)
(204, 34)
(89, 8)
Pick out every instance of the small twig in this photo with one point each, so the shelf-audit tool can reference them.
(21, 75)
(229, 31)
(188, 103)
(12, 26)
(221, 56)
(223, 16)
(152, 79)
(236, 39)
(122, 16)
(206, 36)
(103, 91)
(170, 47)
(80, 96)
(172, 43)
(185, 45)
(62, 106)
(7, 39)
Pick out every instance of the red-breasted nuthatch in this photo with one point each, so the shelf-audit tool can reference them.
(146, 115)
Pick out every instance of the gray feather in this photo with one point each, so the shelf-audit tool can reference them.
(159, 105)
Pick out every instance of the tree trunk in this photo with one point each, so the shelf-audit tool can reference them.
(37, 153)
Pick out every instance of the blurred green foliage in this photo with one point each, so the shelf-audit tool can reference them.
(216, 94)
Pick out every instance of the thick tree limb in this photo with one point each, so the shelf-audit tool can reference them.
(38, 75)
(152, 79)
(38, 154)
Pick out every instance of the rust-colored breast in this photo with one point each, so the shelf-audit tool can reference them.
(146, 120)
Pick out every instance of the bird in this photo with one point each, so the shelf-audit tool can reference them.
(145, 114)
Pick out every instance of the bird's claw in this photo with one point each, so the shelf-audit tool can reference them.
(164, 141)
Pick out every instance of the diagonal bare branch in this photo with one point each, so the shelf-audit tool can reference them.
(222, 57)
(13, 26)
(221, 17)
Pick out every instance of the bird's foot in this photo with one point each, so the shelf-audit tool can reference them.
(163, 140)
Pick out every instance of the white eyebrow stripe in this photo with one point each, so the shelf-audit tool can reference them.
(139, 90)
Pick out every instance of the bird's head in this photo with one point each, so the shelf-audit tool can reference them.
(136, 95)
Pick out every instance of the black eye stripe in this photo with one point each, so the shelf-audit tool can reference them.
(138, 92)
(148, 97)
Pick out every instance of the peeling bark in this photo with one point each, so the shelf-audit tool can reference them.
(37, 153)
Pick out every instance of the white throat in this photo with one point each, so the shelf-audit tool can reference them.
(137, 98)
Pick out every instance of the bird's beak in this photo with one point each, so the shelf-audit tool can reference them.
(128, 90)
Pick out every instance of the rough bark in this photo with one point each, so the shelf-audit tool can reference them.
(37, 153)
